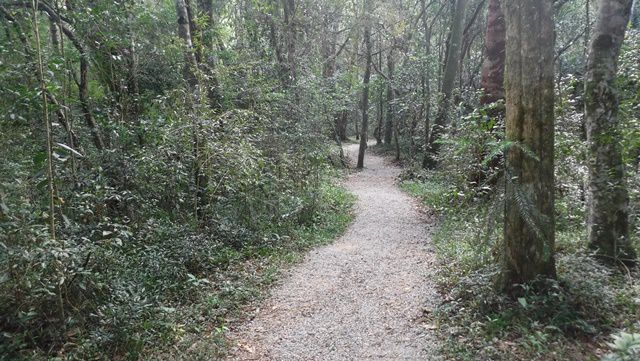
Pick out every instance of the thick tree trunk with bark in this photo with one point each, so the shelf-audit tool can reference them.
(608, 209)
(342, 121)
(365, 89)
(448, 83)
(492, 83)
(493, 65)
(529, 227)
(356, 121)
(199, 42)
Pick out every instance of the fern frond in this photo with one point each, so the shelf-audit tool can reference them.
(537, 221)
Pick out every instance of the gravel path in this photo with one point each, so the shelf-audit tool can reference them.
(363, 297)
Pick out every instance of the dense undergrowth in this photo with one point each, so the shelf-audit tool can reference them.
(157, 288)
(170, 210)
(572, 321)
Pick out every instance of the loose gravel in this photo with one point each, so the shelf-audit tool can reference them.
(365, 296)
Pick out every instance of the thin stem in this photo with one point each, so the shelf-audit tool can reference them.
(45, 106)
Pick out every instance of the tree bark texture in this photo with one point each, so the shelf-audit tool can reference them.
(493, 65)
(184, 32)
(529, 227)
(608, 209)
(492, 82)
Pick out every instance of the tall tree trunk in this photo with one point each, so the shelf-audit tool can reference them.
(47, 121)
(388, 127)
(415, 116)
(635, 15)
(275, 44)
(492, 82)
(200, 43)
(380, 116)
(426, 77)
(380, 112)
(83, 84)
(328, 71)
(448, 83)
(83, 94)
(493, 64)
(608, 211)
(365, 89)
(184, 32)
(133, 85)
(342, 119)
(396, 137)
(346, 114)
(587, 29)
(196, 42)
(356, 121)
(190, 74)
(529, 226)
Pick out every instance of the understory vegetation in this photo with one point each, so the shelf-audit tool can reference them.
(144, 197)
(573, 319)
(185, 286)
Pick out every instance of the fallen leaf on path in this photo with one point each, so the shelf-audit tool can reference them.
(247, 348)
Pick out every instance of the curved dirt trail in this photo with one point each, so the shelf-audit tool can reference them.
(360, 298)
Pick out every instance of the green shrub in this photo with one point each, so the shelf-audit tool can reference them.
(625, 346)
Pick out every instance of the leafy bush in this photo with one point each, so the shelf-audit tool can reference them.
(626, 347)
(182, 195)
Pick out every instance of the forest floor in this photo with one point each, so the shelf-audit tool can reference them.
(368, 295)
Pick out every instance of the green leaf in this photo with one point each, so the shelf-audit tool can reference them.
(522, 301)
(39, 159)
